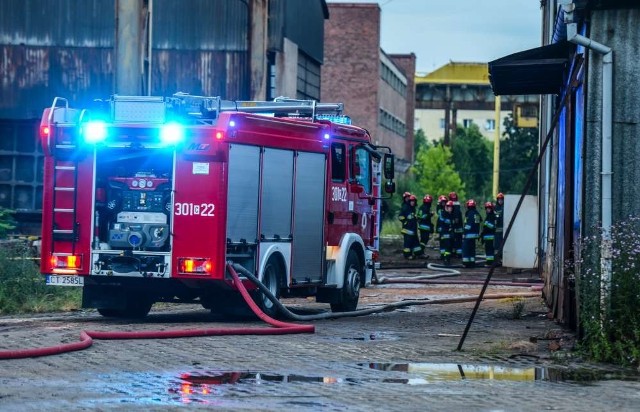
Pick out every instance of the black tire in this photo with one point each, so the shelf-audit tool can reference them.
(271, 281)
(135, 308)
(353, 275)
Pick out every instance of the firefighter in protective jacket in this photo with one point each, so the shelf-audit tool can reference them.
(411, 246)
(488, 233)
(425, 225)
(471, 234)
(445, 229)
(457, 224)
(442, 200)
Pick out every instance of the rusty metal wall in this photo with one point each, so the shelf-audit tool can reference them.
(201, 47)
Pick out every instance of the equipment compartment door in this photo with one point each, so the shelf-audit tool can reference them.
(242, 205)
(309, 217)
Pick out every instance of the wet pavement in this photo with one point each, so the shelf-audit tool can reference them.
(400, 360)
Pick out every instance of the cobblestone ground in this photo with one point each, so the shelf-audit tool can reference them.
(514, 358)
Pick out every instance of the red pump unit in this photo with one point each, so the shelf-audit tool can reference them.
(145, 199)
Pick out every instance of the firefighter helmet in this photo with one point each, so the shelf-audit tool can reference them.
(406, 195)
(453, 196)
(427, 199)
(442, 198)
(449, 203)
(500, 196)
(412, 198)
(471, 203)
(488, 205)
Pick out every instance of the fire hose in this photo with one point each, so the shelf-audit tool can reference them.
(87, 336)
(363, 312)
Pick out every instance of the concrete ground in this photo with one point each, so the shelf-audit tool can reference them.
(514, 358)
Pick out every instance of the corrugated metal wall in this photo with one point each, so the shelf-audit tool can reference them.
(201, 47)
(51, 48)
(617, 29)
(304, 25)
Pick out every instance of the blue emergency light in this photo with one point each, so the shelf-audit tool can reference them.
(171, 133)
(94, 131)
(339, 119)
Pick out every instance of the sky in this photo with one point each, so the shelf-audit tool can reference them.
(440, 31)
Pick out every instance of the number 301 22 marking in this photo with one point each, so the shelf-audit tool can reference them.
(192, 209)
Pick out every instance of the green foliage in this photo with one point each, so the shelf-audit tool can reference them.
(435, 174)
(608, 313)
(7, 223)
(22, 288)
(474, 162)
(406, 183)
(518, 152)
(420, 142)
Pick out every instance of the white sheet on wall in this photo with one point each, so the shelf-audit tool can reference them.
(520, 249)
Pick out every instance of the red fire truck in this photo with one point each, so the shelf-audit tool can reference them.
(145, 199)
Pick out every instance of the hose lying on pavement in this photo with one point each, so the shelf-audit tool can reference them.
(362, 312)
(86, 337)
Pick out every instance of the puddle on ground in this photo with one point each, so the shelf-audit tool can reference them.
(423, 373)
(212, 383)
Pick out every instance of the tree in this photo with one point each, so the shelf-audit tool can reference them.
(435, 174)
(473, 161)
(420, 142)
(518, 153)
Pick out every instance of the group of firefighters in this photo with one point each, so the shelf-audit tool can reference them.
(457, 234)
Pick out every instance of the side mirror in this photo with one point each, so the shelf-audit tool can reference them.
(389, 168)
(389, 186)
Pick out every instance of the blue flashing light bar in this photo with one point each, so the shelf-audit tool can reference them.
(326, 136)
(171, 133)
(94, 131)
(339, 119)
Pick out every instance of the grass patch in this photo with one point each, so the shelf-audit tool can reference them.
(23, 289)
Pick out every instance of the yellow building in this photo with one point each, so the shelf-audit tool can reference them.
(460, 93)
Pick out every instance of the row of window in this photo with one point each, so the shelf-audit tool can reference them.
(489, 124)
(392, 80)
(389, 121)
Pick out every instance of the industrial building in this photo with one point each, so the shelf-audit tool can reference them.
(88, 49)
(377, 88)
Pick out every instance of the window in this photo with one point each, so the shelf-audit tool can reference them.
(337, 162)
(467, 123)
(308, 78)
(442, 124)
(490, 125)
(361, 171)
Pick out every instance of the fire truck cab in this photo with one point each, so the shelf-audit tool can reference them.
(146, 199)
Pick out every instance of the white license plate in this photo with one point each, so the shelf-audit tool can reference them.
(65, 280)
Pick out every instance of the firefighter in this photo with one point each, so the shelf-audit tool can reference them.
(488, 233)
(411, 246)
(425, 225)
(445, 229)
(457, 225)
(471, 234)
(442, 200)
(499, 211)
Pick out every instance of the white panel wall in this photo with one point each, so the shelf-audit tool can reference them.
(520, 249)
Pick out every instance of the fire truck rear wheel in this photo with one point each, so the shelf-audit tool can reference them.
(270, 280)
(135, 308)
(352, 281)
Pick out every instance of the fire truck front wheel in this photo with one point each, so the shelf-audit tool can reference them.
(353, 273)
(271, 281)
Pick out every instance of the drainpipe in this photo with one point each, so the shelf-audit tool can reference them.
(607, 126)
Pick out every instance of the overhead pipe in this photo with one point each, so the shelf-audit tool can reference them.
(606, 151)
